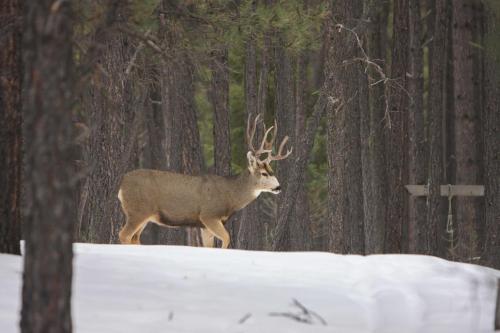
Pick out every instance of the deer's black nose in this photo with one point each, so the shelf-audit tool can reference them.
(277, 189)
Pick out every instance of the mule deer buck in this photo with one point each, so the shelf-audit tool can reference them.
(175, 200)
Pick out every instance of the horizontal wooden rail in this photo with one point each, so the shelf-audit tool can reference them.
(446, 190)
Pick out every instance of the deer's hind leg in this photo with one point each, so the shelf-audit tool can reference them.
(136, 238)
(130, 233)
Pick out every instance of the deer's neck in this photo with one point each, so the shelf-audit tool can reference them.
(244, 192)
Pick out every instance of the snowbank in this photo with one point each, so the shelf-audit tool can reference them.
(183, 289)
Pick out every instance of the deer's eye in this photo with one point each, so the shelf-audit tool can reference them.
(265, 174)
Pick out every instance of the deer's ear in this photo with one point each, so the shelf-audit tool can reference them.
(252, 162)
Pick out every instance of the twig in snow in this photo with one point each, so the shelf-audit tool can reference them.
(305, 315)
(291, 316)
(244, 318)
(308, 312)
(170, 315)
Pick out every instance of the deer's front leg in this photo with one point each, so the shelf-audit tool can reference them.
(207, 238)
(217, 229)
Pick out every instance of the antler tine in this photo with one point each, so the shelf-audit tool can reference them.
(264, 148)
(280, 156)
(269, 144)
(251, 131)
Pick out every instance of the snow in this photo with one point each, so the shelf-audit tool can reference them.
(126, 288)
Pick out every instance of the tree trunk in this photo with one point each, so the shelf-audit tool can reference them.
(171, 79)
(50, 175)
(285, 118)
(345, 187)
(300, 230)
(428, 235)
(466, 129)
(251, 233)
(397, 165)
(416, 134)
(193, 163)
(110, 104)
(376, 201)
(156, 146)
(10, 130)
(297, 174)
(491, 141)
(219, 98)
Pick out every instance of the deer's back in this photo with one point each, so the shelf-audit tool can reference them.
(149, 192)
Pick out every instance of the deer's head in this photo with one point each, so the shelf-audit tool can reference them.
(262, 174)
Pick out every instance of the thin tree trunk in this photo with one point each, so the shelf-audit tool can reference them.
(376, 201)
(193, 163)
(50, 175)
(285, 118)
(417, 228)
(396, 227)
(171, 79)
(345, 185)
(429, 234)
(10, 130)
(156, 146)
(219, 98)
(467, 129)
(300, 231)
(251, 232)
(491, 141)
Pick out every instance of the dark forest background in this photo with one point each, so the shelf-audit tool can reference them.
(374, 94)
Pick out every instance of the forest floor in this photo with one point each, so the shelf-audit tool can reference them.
(183, 289)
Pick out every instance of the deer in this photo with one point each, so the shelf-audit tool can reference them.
(178, 200)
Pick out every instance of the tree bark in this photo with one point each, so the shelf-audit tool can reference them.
(219, 97)
(466, 129)
(298, 172)
(251, 233)
(300, 230)
(429, 234)
(285, 118)
(491, 141)
(345, 187)
(417, 165)
(111, 104)
(171, 79)
(50, 175)
(376, 201)
(397, 164)
(156, 147)
(10, 130)
(193, 163)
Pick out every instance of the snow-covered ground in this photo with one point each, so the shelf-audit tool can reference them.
(183, 289)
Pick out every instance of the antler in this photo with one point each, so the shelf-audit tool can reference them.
(266, 146)
(280, 155)
(251, 133)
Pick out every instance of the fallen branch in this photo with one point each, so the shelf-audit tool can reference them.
(244, 318)
(305, 315)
